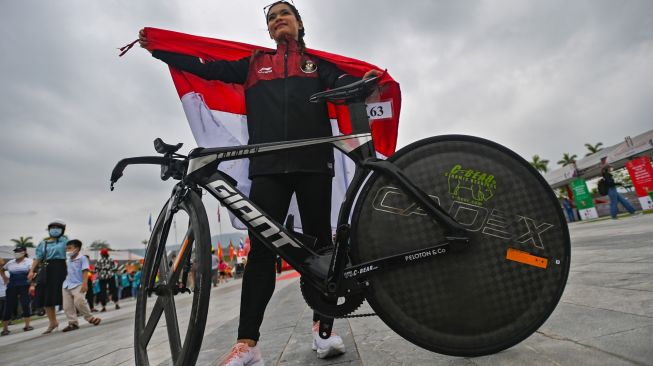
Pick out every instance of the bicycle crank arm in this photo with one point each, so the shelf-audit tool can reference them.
(406, 258)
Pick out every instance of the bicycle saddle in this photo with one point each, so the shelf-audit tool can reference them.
(356, 91)
(163, 148)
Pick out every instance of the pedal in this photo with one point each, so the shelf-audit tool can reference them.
(181, 288)
(161, 290)
(326, 326)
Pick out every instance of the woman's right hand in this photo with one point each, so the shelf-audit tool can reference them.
(142, 40)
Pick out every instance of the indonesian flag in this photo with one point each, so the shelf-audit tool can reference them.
(217, 116)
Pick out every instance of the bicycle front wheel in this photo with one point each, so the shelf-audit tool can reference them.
(498, 290)
(175, 272)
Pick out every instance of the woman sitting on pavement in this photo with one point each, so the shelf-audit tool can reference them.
(17, 288)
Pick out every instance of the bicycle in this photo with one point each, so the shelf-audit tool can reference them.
(456, 242)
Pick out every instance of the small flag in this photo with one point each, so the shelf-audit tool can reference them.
(149, 222)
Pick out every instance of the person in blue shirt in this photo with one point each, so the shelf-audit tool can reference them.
(136, 283)
(75, 287)
(17, 288)
(51, 259)
(125, 283)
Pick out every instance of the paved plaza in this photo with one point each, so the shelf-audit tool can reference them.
(605, 317)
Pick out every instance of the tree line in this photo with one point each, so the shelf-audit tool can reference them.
(542, 165)
(26, 241)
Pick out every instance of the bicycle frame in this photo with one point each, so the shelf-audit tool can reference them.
(203, 171)
(325, 272)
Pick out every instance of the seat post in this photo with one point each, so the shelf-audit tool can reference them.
(360, 123)
(358, 117)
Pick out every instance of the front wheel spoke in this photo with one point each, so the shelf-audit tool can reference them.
(172, 326)
(153, 320)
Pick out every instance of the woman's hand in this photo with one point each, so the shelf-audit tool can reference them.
(84, 288)
(371, 73)
(142, 40)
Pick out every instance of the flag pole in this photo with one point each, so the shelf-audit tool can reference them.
(219, 224)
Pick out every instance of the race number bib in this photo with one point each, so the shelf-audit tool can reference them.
(379, 110)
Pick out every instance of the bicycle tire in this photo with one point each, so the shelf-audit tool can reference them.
(493, 294)
(188, 351)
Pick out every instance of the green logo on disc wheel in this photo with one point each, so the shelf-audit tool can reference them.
(469, 185)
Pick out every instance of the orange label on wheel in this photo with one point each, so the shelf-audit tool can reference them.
(526, 258)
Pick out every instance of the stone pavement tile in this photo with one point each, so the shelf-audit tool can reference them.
(635, 345)
(379, 345)
(618, 280)
(627, 301)
(540, 350)
(612, 267)
(589, 323)
(299, 352)
(282, 314)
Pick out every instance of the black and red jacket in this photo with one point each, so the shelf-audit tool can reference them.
(277, 87)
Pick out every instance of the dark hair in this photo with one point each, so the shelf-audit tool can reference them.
(300, 39)
(74, 242)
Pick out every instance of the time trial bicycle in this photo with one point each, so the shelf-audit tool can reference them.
(456, 242)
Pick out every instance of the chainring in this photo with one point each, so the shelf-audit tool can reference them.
(321, 304)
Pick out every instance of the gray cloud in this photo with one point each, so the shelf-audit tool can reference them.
(540, 77)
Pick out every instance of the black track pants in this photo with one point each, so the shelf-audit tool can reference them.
(272, 193)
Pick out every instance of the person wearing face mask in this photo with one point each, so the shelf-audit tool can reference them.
(51, 258)
(75, 287)
(277, 86)
(17, 288)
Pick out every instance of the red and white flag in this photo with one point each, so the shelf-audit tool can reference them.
(217, 116)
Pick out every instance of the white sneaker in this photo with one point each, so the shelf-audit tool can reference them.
(243, 355)
(332, 346)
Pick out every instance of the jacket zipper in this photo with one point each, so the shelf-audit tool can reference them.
(285, 105)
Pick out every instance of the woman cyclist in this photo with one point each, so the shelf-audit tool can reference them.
(277, 88)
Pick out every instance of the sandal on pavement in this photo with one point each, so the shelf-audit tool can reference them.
(5, 332)
(95, 321)
(70, 327)
(51, 328)
(28, 328)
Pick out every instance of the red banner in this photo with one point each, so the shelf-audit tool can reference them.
(641, 173)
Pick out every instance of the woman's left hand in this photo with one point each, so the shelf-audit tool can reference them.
(84, 288)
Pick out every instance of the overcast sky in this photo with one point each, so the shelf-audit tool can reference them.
(541, 77)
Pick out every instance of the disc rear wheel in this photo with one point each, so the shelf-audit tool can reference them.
(496, 292)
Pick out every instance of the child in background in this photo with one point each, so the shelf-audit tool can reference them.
(75, 287)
